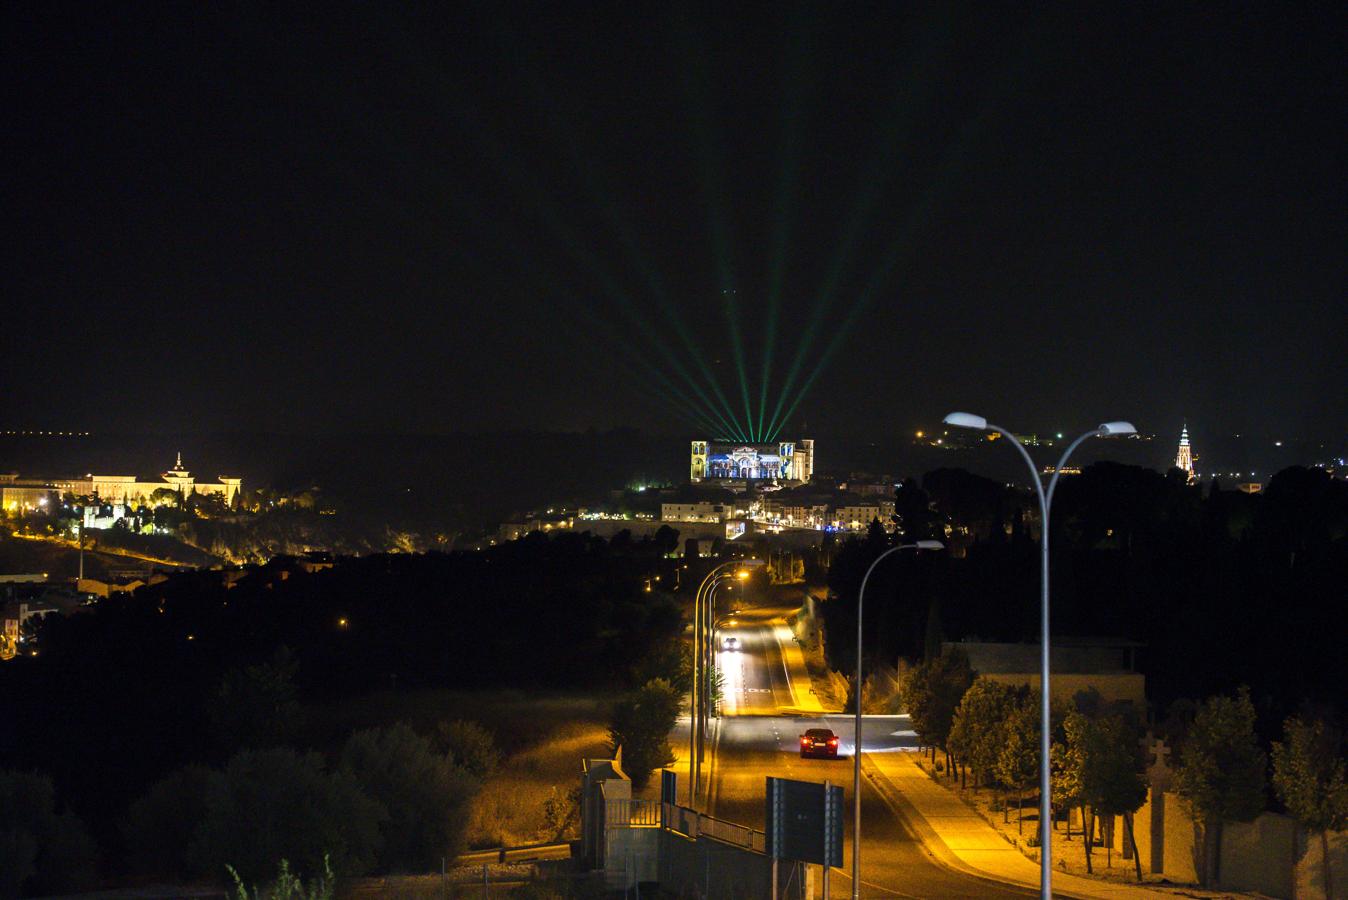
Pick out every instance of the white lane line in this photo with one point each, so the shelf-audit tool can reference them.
(781, 654)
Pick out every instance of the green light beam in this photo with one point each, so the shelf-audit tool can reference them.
(881, 163)
(737, 348)
(553, 108)
(499, 156)
(695, 82)
(903, 243)
(656, 379)
(783, 207)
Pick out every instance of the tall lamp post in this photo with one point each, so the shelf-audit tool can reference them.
(701, 639)
(1045, 497)
(856, 730)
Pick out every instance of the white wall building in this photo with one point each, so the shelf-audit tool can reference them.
(702, 511)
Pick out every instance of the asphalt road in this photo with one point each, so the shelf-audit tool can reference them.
(753, 740)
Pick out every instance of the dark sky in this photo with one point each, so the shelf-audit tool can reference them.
(260, 217)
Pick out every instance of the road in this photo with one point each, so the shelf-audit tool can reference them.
(767, 704)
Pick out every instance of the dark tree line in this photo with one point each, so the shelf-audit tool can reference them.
(1223, 588)
(141, 685)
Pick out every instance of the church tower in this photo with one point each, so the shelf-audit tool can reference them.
(1184, 459)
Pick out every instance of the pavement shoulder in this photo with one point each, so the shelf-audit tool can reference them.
(959, 838)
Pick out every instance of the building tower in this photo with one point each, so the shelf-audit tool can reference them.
(698, 464)
(1184, 459)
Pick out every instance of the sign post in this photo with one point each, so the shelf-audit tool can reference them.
(804, 823)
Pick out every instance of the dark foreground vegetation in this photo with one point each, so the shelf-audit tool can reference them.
(1221, 588)
(164, 734)
(1236, 599)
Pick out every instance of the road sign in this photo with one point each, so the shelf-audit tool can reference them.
(805, 821)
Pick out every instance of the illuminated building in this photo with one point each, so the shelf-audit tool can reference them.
(857, 517)
(123, 489)
(695, 512)
(724, 460)
(1184, 459)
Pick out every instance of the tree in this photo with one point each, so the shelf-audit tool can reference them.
(931, 691)
(258, 706)
(469, 746)
(164, 497)
(1308, 776)
(666, 540)
(278, 804)
(977, 732)
(672, 661)
(1221, 772)
(640, 725)
(423, 792)
(160, 826)
(42, 851)
(912, 510)
(1018, 758)
(1104, 751)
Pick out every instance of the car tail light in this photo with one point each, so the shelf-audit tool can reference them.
(805, 742)
(833, 742)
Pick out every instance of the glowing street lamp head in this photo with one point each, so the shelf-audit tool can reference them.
(966, 420)
(742, 574)
(1112, 429)
(929, 545)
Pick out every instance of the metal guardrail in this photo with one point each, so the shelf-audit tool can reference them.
(632, 814)
(692, 823)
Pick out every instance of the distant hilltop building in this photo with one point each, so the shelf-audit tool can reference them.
(114, 489)
(1184, 459)
(727, 461)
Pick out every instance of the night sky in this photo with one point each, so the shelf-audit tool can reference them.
(487, 217)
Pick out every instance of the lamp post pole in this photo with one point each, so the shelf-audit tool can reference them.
(1045, 497)
(695, 711)
(856, 728)
(708, 670)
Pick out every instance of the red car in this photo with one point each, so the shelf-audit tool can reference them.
(819, 742)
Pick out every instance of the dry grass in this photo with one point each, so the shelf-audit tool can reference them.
(511, 808)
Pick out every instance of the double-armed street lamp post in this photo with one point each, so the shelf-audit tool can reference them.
(1045, 497)
(856, 730)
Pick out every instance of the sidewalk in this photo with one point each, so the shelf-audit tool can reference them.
(959, 837)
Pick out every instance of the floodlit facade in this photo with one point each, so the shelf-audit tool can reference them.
(695, 512)
(723, 460)
(123, 489)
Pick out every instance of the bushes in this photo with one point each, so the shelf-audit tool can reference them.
(469, 745)
(258, 706)
(424, 794)
(279, 804)
(41, 851)
(161, 825)
(394, 803)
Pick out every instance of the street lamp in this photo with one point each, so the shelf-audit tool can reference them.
(856, 730)
(697, 711)
(1108, 429)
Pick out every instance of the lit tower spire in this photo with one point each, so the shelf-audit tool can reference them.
(1184, 459)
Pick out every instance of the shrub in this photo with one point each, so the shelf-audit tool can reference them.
(160, 826)
(41, 851)
(424, 794)
(288, 885)
(258, 706)
(279, 804)
(468, 745)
